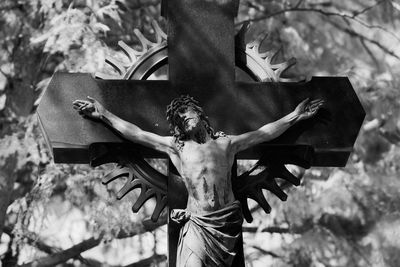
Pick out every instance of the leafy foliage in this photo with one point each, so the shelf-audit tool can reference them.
(338, 217)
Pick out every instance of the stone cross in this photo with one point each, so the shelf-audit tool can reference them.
(201, 60)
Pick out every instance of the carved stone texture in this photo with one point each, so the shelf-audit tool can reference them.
(249, 185)
(201, 46)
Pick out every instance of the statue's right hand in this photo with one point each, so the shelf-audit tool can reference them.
(90, 108)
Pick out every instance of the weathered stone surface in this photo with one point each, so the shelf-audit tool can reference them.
(201, 47)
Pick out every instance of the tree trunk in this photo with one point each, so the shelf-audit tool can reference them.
(7, 179)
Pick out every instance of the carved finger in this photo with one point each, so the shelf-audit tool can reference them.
(320, 103)
(305, 101)
(317, 105)
(86, 106)
(79, 102)
(77, 107)
(316, 101)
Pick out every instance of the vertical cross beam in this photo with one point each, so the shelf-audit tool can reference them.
(201, 58)
(201, 47)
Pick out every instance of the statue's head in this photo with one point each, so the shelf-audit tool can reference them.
(184, 115)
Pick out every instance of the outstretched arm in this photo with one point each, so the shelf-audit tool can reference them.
(305, 110)
(93, 109)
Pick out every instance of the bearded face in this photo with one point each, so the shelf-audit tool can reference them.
(189, 120)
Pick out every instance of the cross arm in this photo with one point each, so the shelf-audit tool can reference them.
(270, 131)
(92, 109)
(244, 108)
(332, 132)
(69, 135)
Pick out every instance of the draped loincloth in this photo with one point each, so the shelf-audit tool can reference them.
(212, 237)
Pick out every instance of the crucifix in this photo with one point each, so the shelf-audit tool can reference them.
(201, 53)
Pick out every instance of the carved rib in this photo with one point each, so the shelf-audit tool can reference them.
(258, 196)
(139, 173)
(245, 209)
(143, 197)
(114, 174)
(116, 65)
(282, 67)
(161, 204)
(282, 172)
(130, 52)
(128, 187)
(146, 44)
(250, 186)
(273, 187)
(160, 34)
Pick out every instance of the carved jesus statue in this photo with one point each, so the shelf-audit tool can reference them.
(212, 219)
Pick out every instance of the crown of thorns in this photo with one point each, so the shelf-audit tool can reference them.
(183, 101)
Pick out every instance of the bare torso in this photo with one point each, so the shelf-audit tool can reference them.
(206, 172)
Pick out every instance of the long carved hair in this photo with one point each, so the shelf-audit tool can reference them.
(176, 125)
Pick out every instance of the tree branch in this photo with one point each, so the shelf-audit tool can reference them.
(357, 13)
(271, 229)
(76, 250)
(151, 261)
(65, 255)
(369, 52)
(267, 252)
(353, 33)
(345, 17)
(324, 13)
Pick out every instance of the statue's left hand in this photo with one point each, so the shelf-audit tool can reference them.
(307, 108)
(90, 108)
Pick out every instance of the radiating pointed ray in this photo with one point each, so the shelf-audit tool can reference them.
(255, 45)
(129, 186)
(280, 68)
(137, 58)
(270, 55)
(285, 174)
(248, 56)
(161, 204)
(118, 66)
(131, 53)
(245, 209)
(160, 34)
(146, 43)
(143, 197)
(259, 197)
(114, 174)
(273, 187)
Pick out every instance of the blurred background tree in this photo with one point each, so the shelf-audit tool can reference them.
(62, 215)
